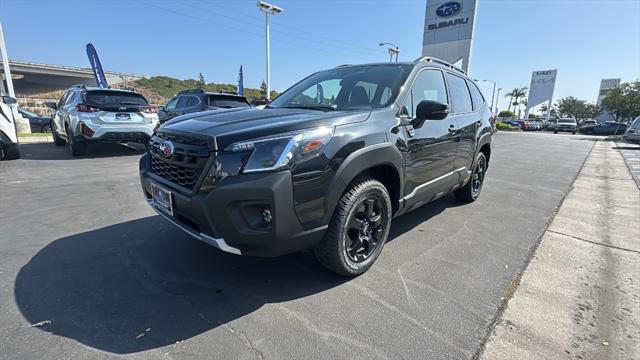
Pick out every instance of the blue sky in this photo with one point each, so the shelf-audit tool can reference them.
(585, 40)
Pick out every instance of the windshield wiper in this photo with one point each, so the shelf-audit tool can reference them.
(310, 107)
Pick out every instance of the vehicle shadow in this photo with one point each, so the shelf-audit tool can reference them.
(409, 221)
(626, 147)
(48, 151)
(144, 284)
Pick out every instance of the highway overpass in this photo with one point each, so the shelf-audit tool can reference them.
(34, 79)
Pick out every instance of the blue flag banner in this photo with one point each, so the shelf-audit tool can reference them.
(240, 83)
(101, 80)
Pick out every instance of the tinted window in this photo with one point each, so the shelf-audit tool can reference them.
(171, 105)
(346, 88)
(566, 121)
(476, 95)
(460, 97)
(186, 101)
(102, 98)
(429, 85)
(227, 102)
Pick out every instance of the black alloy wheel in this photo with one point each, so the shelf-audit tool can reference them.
(477, 178)
(358, 228)
(364, 229)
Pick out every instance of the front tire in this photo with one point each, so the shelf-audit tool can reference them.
(358, 229)
(11, 152)
(470, 192)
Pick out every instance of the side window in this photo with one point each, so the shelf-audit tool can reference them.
(63, 99)
(429, 85)
(171, 105)
(476, 95)
(70, 98)
(188, 101)
(460, 97)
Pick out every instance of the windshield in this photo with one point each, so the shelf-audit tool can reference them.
(346, 88)
(114, 99)
(566, 121)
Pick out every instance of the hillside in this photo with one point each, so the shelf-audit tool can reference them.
(159, 89)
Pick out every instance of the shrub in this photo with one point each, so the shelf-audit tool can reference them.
(506, 127)
(506, 114)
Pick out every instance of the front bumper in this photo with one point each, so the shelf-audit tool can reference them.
(631, 138)
(229, 217)
(564, 129)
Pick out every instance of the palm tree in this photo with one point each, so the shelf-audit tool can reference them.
(543, 109)
(515, 95)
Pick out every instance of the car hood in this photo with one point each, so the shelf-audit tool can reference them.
(229, 126)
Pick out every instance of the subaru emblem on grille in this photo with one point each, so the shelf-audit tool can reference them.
(166, 149)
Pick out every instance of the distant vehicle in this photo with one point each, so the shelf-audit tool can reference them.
(8, 135)
(607, 128)
(632, 135)
(84, 115)
(565, 125)
(588, 123)
(37, 123)
(550, 125)
(190, 101)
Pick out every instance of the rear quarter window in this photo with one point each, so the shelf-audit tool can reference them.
(459, 94)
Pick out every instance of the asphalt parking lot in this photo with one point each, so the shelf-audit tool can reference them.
(84, 259)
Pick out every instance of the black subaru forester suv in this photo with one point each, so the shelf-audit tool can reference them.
(326, 165)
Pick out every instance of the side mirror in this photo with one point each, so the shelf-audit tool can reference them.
(160, 108)
(52, 105)
(8, 100)
(431, 110)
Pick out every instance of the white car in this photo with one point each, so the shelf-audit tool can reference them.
(632, 135)
(85, 115)
(8, 137)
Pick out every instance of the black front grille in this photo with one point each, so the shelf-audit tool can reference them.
(185, 166)
(181, 175)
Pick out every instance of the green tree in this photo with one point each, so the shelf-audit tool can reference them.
(505, 114)
(623, 102)
(543, 109)
(578, 109)
(263, 89)
(515, 95)
(201, 82)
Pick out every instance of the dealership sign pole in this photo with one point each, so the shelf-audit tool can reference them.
(5, 66)
(542, 85)
(448, 30)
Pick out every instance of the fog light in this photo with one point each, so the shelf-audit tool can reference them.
(266, 216)
(86, 131)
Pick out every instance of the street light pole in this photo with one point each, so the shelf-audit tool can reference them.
(268, 9)
(394, 49)
(493, 109)
(497, 97)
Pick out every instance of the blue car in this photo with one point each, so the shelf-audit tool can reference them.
(38, 123)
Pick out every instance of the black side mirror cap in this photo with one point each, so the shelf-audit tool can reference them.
(9, 100)
(52, 105)
(431, 110)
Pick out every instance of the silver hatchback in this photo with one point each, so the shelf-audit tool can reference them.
(84, 115)
(632, 135)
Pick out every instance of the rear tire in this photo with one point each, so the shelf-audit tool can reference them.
(77, 148)
(57, 140)
(470, 192)
(358, 229)
(11, 152)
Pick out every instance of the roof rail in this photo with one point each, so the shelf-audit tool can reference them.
(200, 91)
(79, 86)
(343, 65)
(441, 62)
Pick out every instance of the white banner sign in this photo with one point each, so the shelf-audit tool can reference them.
(542, 86)
(605, 86)
(448, 30)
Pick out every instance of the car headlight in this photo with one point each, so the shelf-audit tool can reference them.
(282, 150)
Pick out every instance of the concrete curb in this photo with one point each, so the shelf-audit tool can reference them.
(578, 297)
(35, 139)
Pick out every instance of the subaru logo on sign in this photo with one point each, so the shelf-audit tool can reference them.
(166, 149)
(448, 9)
